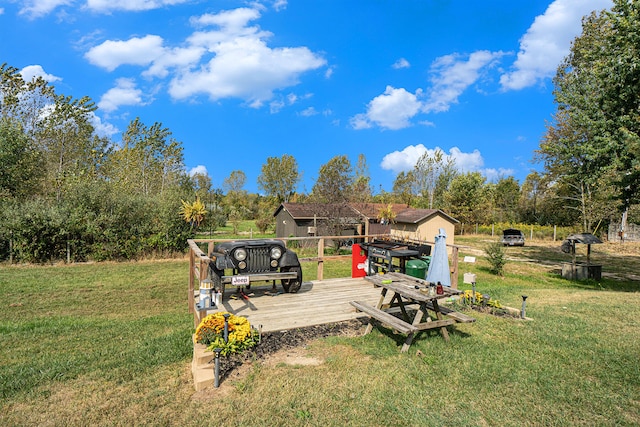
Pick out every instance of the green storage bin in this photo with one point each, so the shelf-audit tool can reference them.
(416, 268)
(427, 260)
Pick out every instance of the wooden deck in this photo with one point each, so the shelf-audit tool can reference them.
(317, 302)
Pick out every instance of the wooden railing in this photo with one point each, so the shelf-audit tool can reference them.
(199, 260)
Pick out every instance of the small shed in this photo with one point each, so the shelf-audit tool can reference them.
(315, 219)
(423, 225)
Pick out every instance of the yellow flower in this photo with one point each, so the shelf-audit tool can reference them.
(212, 327)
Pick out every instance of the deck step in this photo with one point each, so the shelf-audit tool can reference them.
(384, 317)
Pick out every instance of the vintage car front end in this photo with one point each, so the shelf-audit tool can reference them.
(242, 262)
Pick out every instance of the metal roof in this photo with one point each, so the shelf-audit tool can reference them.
(586, 238)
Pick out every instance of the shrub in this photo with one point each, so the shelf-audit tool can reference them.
(497, 257)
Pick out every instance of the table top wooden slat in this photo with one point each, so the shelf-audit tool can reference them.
(405, 286)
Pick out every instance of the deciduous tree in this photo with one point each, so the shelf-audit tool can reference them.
(466, 198)
(20, 163)
(334, 183)
(280, 177)
(595, 138)
(432, 174)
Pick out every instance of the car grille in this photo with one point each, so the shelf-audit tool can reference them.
(258, 260)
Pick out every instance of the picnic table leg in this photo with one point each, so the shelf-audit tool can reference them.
(416, 321)
(443, 330)
(397, 297)
(383, 294)
(407, 343)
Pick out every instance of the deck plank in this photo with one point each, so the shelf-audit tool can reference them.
(317, 303)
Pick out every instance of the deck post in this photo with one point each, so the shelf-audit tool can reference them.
(454, 269)
(320, 258)
(191, 287)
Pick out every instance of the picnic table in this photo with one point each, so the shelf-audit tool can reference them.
(407, 291)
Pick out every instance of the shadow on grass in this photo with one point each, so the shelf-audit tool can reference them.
(620, 271)
(419, 336)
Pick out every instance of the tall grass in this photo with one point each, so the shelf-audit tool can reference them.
(109, 344)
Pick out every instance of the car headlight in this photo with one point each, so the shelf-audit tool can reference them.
(276, 252)
(240, 254)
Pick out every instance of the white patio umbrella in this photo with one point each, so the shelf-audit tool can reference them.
(439, 265)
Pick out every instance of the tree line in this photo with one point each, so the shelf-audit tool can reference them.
(66, 192)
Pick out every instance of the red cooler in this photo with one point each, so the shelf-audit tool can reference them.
(358, 257)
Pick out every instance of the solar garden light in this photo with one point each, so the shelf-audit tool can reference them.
(226, 327)
(524, 303)
(485, 299)
(470, 278)
(216, 370)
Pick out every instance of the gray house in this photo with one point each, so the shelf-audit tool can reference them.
(316, 219)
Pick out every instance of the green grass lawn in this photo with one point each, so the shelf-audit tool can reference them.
(110, 344)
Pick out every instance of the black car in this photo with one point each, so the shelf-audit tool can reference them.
(512, 237)
(242, 262)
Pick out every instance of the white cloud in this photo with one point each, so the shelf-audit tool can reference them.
(405, 160)
(124, 93)
(276, 105)
(1, 10)
(391, 110)
(360, 121)
(453, 74)
(135, 51)
(329, 72)
(493, 175)
(200, 170)
(547, 41)
(225, 58)
(104, 129)
(233, 22)
(31, 71)
(39, 8)
(290, 99)
(180, 58)
(308, 112)
(401, 63)
(467, 162)
(130, 5)
(279, 4)
(239, 61)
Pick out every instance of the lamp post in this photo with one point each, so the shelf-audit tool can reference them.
(226, 327)
(216, 370)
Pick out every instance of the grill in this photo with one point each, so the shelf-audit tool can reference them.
(258, 260)
(382, 253)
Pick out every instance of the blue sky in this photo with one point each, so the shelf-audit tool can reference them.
(238, 82)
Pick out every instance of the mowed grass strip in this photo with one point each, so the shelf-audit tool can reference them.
(110, 344)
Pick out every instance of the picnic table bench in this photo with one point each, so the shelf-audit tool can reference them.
(408, 290)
